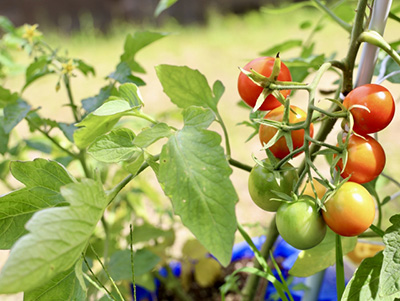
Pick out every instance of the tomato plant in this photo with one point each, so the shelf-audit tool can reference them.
(350, 211)
(377, 111)
(365, 159)
(263, 182)
(300, 223)
(249, 91)
(73, 206)
(280, 148)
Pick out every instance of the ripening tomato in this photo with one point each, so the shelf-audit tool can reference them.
(280, 149)
(365, 161)
(262, 181)
(300, 223)
(249, 91)
(350, 211)
(378, 100)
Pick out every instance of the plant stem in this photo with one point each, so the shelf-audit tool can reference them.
(113, 192)
(97, 279)
(132, 266)
(82, 159)
(71, 99)
(374, 38)
(253, 280)
(377, 230)
(239, 165)
(340, 281)
(333, 147)
(350, 59)
(54, 141)
(106, 239)
(108, 275)
(227, 144)
(339, 21)
(330, 114)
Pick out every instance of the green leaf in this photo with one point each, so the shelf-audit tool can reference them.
(100, 122)
(287, 45)
(147, 232)
(386, 67)
(163, 5)
(41, 144)
(130, 92)
(195, 176)
(18, 207)
(57, 238)
(14, 113)
(114, 147)
(7, 97)
(84, 68)
(92, 103)
(123, 74)
(218, 90)
(68, 130)
(65, 286)
(43, 180)
(136, 42)
(39, 68)
(390, 273)
(364, 285)
(112, 107)
(150, 135)
(6, 24)
(186, 87)
(198, 117)
(345, 11)
(41, 173)
(301, 67)
(4, 137)
(320, 257)
(120, 264)
(135, 163)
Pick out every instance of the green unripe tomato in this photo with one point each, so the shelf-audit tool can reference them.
(262, 181)
(300, 223)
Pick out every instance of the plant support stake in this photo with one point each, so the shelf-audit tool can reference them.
(369, 54)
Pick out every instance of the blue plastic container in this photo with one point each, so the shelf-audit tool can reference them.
(283, 252)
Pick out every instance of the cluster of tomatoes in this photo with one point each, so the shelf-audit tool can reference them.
(350, 210)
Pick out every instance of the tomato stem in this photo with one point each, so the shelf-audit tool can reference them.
(334, 17)
(377, 230)
(340, 280)
(227, 144)
(239, 164)
(250, 288)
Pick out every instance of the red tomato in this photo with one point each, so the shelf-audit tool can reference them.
(280, 149)
(380, 103)
(249, 91)
(366, 159)
(350, 211)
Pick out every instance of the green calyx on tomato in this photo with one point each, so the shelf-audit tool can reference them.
(350, 211)
(250, 91)
(372, 107)
(280, 148)
(263, 182)
(300, 223)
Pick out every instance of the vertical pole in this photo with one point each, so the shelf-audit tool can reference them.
(369, 55)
